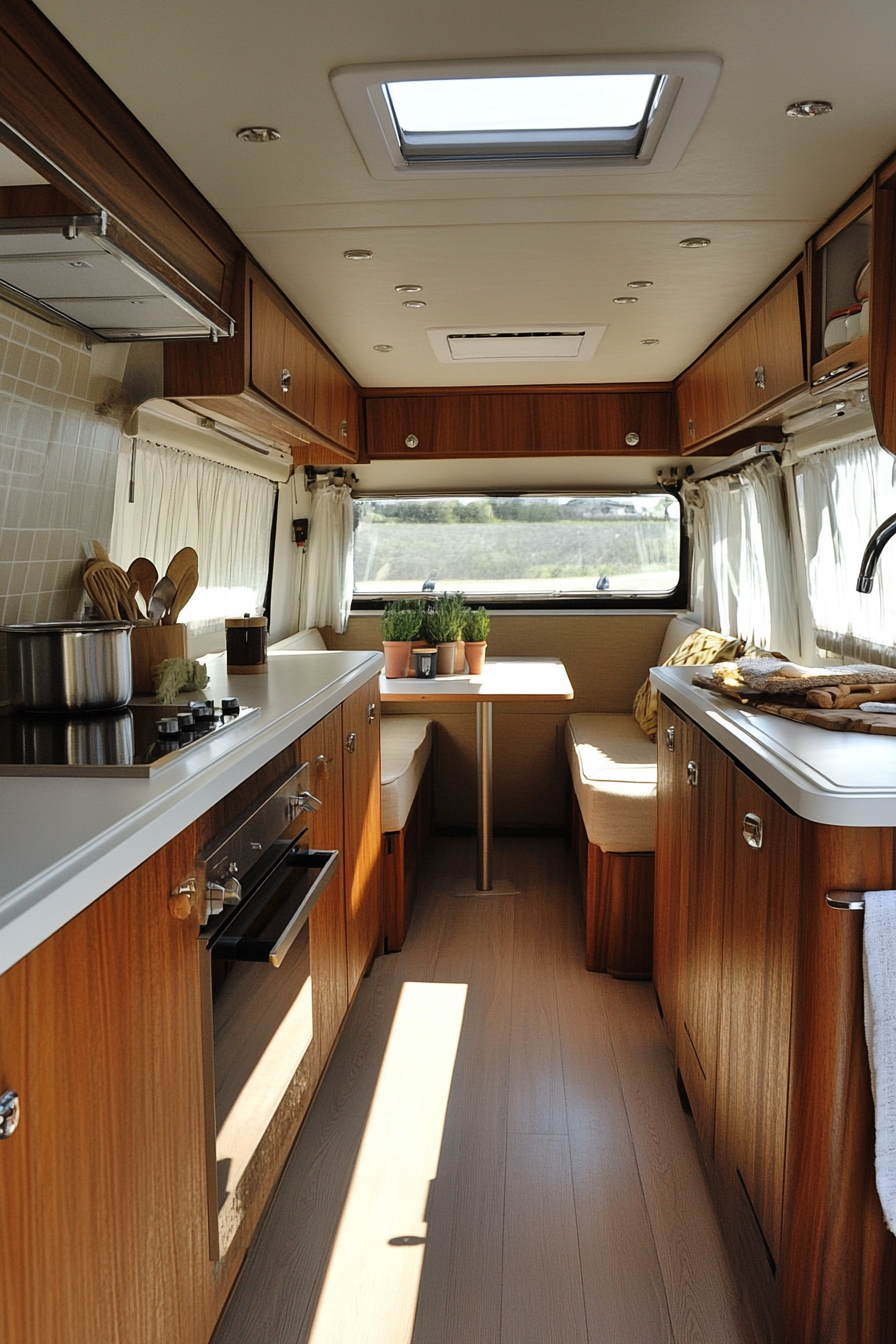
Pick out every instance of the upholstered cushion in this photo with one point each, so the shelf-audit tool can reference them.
(405, 745)
(303, 640)
(613, 769)
(701, 647)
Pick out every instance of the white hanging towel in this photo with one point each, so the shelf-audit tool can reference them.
(880, 1033)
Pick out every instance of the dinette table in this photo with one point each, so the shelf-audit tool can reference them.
(502, 679)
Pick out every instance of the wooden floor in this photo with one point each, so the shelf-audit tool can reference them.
(497, 1154)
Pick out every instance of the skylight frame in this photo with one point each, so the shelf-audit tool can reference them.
(685, 83)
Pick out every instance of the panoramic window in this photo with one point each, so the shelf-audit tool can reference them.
(581, 549)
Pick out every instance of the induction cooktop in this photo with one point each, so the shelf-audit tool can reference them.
(136, 741)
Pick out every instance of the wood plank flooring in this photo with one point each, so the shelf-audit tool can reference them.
(497, 1154)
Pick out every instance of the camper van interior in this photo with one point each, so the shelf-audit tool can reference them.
(447, 672)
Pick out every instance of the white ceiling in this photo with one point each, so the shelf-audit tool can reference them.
(516, 251)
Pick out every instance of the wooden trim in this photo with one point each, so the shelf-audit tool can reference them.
(733, 441)
(855, 355)
(854, 208)
(517, 389)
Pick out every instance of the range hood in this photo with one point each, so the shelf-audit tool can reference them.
(68, 267)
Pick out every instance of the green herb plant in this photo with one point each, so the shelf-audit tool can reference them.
(476, 625)
(402, 621)
(445, 619)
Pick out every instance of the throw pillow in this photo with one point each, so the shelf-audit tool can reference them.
(700, 648)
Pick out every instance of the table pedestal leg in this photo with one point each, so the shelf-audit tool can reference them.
(484, 795)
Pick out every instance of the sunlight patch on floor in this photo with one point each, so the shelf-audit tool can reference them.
(370, 1292)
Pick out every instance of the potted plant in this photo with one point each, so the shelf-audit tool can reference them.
(400, 627)
(476, 627)
(444, 628)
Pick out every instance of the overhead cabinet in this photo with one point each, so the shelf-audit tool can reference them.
(752, 368)
(509, 422)
(274, 378)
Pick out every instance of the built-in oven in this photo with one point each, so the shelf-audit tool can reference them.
(256, 885)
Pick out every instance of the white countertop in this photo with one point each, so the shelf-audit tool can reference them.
(65, 841)
(838, 779)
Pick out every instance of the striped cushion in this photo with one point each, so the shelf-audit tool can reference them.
(702, 647)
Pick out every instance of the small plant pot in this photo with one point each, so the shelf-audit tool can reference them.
(398, 657)
(476, 656)
(447, 658)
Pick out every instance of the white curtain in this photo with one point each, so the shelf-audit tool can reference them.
(743, 555)
(329, 570)
(843, 494)
(224, 513)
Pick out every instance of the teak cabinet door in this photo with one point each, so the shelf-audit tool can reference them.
(670, 883)
(760, 939)
(322, 749)
(362, 829)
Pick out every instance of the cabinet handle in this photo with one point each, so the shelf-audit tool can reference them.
(323, 762)
(670, 739)
(633, 438)
(411, 441)
(693, 774)
(371, 713)
(182, 899)
(10, 1114)
(759, 375)
(345, 429)
(834, 373)
(285, 380)
(692, 428)
(351, 742)
(753, 830)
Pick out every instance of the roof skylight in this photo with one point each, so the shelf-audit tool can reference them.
(573, 114)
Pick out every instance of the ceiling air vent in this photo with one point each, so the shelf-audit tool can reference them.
(479, 345)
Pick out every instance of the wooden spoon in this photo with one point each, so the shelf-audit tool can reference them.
(185, 590)
(185, 559)
(101, 553)
(144, 573)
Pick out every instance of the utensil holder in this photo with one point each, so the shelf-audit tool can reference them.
(151, 645)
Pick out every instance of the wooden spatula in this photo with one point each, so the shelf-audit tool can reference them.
(185, 559)
(144, 573)
(185, 590)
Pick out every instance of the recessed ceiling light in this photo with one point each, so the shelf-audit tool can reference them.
(383, 349)
(413, 303)
(358, 254)
(626, 298)
(695, 242)
(640, 284)
(258, 135)
(809, 107)
(650, 340)
(408, 289)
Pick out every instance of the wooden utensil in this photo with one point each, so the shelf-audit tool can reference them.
(163, 595)
(185, 590)
(101, 553)
(146, 576)
(112, 591)
(185, 559)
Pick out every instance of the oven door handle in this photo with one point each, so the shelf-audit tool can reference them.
(252, 945)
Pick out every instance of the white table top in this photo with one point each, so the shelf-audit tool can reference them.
(500, 679)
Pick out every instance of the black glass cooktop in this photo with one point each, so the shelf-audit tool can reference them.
(136, 741)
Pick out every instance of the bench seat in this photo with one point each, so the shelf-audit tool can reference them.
(406, 792)
(613, 768)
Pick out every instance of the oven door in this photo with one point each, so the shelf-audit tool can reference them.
(259, 1055)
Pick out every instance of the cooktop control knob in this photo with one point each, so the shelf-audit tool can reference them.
(168, 728)
(203, 713)
(185, 720)
(230, 705)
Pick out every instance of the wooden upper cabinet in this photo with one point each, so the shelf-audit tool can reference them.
(274, 377)
(839, 259)
(514, 423)
(882, 325)
(755, 365)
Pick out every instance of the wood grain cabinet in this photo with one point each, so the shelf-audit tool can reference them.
(760, 984)
(839, 258)
(754, 366)
(363, 830)
(513, 423)
(273, 378)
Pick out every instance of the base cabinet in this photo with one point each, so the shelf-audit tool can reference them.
(760, 984)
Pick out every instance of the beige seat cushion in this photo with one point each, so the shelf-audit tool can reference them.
(405, 746)
(613, 769)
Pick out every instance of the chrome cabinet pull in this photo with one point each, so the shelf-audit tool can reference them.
(345, 429)
(759, 375)
(411, 441)
(752, 831)
(302, 802)
(10, 1114)
(351, 742)
(693, 774)
(285, 380)
(670, 739)
(371, 713)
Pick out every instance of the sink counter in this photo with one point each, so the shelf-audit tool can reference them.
(838, 779)
(65, 841)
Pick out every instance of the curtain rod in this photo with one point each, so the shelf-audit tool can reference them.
(312, 475)
(737, 460)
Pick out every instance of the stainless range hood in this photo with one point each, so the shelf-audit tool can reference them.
(67, 266)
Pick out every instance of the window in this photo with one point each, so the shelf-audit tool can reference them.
(528, 550)
(569, 114)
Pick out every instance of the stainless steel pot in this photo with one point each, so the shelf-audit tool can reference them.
(69, 665)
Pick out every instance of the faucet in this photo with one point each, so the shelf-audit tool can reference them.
(879, 538)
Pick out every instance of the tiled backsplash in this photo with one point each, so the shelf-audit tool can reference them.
(58, 461)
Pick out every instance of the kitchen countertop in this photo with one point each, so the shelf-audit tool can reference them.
(838, 779)
(66, 841)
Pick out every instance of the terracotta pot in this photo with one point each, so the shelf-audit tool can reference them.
(447, 656)
(459, 661)
(398, 657)
(476, 656)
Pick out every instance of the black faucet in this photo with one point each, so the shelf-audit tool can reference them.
(879, 538)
